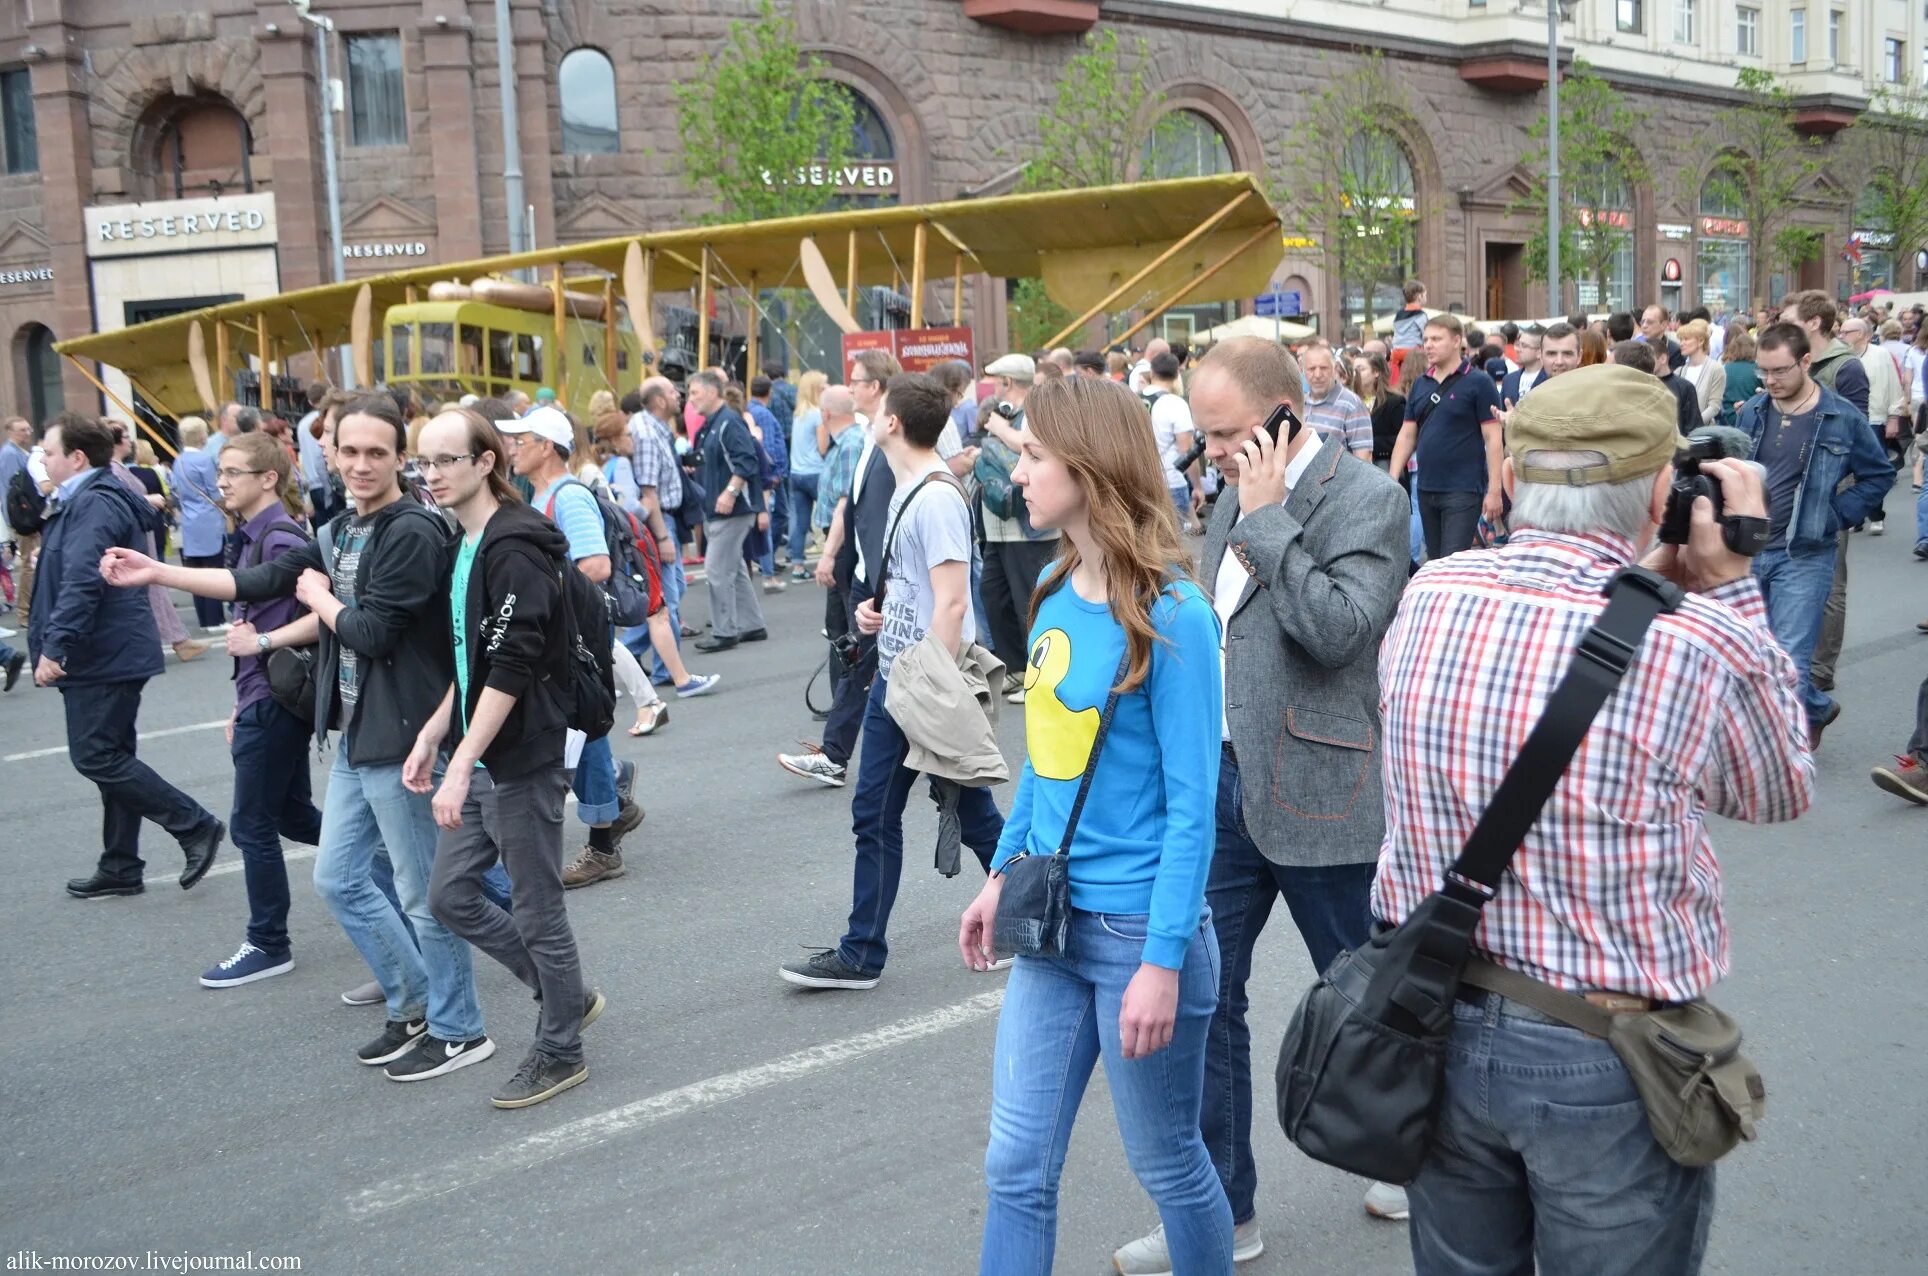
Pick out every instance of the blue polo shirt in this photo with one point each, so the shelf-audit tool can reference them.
(1452, 451)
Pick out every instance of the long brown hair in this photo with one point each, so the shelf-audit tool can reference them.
(1098, 429)
(483, 437)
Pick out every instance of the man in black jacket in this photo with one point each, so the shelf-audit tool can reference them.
(381, 668)
(501, 797)
(98, 644)
(732, 474)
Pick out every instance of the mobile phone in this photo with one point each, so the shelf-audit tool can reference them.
(1283, 415)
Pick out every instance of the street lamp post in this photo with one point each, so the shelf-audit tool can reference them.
(325, 27)
(1553, 290)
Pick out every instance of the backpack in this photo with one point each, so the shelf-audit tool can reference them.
(26, 507)
(626, 593)
(588, 695)
(992, 470)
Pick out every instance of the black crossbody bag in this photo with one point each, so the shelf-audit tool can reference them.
(1362, 1066)
(1034, 908)
(292, 670)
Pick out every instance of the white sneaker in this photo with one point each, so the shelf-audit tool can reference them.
(368, 994)
(813, 766)
(1876, 526)
(1383, 1200)
(1147, 1256)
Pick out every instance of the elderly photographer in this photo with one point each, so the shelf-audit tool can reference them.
(1543, 1149)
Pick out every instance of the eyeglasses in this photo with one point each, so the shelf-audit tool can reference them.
(430, 464)
(1768, 372)
(863, 380)
(227, 473)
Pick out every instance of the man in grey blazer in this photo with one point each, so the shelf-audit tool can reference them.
(1305, 557)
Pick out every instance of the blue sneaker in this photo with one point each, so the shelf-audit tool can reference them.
(698, 685)
(247, 965)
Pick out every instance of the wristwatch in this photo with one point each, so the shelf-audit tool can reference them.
(263, 644)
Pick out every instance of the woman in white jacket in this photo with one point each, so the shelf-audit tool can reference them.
(1706, 375)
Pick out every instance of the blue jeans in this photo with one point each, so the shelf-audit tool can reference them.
(1796, 587)
(595, 784)
(1543, 1151)
(1416, 533)
(877, 819)
(1331, 906)
(271, 801)
(367, 808)
(803, 494)
(1921, 515)
(779, 504)
(1060, 1017)
(1182, 502)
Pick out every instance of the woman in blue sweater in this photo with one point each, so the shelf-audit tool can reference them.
(1140, 980)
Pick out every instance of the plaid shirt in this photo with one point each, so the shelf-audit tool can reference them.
(839, 472)
(1616, 888)
(655, 461)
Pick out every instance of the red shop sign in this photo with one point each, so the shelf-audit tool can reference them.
(1727, 226)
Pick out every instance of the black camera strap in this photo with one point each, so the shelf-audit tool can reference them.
(1438, 396)
(890, 537)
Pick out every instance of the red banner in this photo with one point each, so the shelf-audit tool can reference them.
(916, 349)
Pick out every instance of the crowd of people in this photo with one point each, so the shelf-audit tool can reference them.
(1403, 544)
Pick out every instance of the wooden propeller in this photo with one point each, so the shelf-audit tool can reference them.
(637, 285)
(197, 362)
(360, 336)
(823, 285)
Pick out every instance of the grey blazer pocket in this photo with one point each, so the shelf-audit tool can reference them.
(1320, 764)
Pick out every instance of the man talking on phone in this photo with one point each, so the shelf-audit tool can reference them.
(1305, 564)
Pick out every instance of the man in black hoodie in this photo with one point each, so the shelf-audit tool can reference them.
(502, 795)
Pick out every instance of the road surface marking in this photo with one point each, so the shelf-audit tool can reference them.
(145, 735)
(525, 1154)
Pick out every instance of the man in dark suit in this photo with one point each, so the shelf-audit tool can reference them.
(99, 645)
(1526, 352)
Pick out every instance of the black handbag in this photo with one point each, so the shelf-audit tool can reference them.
(1034, 908)
(1362, 1064)
(292, 670)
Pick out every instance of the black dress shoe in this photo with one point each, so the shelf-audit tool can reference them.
(715, 644)
(101, 886)
(200, 848)
(14, 667)
(753, 635)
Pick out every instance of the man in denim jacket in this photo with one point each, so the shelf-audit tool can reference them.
(1809, 439)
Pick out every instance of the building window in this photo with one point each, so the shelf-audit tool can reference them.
(377, 113)
(19, 149)
(1376, 175)
(1797, 37)
(45, 397)
(1871, 245)
(1603, 202)
(1894, 62)
(586, 84)
(1683, 21)
(1836, 20)
(1747, 32)
(1626, 15)
(872, 153)
(1722, 263)
(1186, 144)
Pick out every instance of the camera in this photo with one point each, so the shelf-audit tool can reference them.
(1743, 534)
(849, 648)
(1008, 412)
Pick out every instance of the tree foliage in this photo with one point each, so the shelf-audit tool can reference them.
(1889, 149)
(757, 118)
(1035, 318)
(1763, 165)
(1351, 181)
(1599, 170)
(1089, 136)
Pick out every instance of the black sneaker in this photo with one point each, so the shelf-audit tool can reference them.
(754, 635)
(594, 1004)
(826, 969)
(398, 1038)
(434, 1057)
(709, 645)
(540, 1077)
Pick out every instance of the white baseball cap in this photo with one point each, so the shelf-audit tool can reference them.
(547, 423)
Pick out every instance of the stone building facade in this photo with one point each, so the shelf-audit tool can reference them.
(192, 111)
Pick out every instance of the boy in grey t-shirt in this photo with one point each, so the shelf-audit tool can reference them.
(927, 592)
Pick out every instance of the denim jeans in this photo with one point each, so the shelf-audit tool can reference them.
(271, 801)
(1060, 1017)
(1182, 502)
(877, 818)
(777, 501)
(595, 784)
(1796, 587)
(367, 808)
(803, 494)
(1543, 1152)
(102, 745)
(1450, 521)
(1921, 515)
(1417, 534)
(1331, 906)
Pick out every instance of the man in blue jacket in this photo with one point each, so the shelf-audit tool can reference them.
(732, 475)
(1809, 438)
(99, 645)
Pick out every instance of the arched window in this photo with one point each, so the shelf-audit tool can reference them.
(1603, 202)
(872, 156)
(1373, 181)
(41, 367)
(1723, 267)
(1185, 144)
(586, 86)
(193, 146)
(1871, 252)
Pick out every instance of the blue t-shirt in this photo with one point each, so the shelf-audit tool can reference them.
(1451, 450)
(458, 611)
(576, 514)
(1144, 840)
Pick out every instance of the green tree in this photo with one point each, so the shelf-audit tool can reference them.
(1089, 136)
(1889, 147)
(1034, 317)
(1599, 169)
(1352, 181)
(756, 119)
(1763, 165)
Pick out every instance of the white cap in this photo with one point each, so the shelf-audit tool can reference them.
(547, 423)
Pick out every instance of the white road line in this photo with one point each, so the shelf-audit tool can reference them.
(524, 1154)
(145, 735)
(236, 865)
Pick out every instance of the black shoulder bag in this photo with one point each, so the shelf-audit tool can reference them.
(1434, 399)
(292, 670)
(1034, 909)
(1362, 1065)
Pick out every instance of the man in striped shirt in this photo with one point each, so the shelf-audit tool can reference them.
(1330, 408)
(1542, 1148)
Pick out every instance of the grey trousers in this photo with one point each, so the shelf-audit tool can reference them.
(1834, 620)
(734, 607)
(518, 821)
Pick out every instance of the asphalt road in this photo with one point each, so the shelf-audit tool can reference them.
(732, 1123)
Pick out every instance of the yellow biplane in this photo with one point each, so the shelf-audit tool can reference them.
(470, 327)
